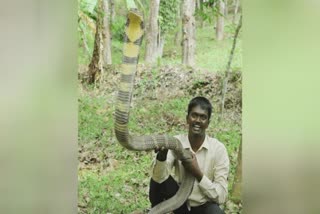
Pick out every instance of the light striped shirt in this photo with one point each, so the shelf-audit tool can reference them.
(213, 161)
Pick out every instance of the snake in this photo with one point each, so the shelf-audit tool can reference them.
(134, 30)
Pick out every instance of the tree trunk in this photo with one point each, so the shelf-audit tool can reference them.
(96, 64)
(188, 33)
(237, 182)
(152, 33)
(220, 21)
(228, 71)
(106, 34)
(236, 8)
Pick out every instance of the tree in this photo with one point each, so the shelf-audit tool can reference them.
(106, 34)
(177, 36)
(188, 33)
(102, 43)
(152, 32)
(220, 20)
(228, 70)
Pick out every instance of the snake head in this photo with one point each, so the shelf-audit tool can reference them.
(135, 16)
(134, 26)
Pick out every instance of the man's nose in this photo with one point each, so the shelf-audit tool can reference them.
(198, 119)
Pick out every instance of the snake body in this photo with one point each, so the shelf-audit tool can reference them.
(133, 37)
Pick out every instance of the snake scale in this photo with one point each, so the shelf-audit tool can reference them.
(134, 31)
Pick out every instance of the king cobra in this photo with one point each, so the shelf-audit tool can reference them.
(133, 37)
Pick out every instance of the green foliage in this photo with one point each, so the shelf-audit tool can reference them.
(206, 13)
(168, 14)
(117, 28)
(88, 7)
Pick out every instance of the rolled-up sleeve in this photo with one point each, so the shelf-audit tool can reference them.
(217, 190)
(162, 169)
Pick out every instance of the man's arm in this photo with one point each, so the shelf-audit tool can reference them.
(162, 166)
(216, 190)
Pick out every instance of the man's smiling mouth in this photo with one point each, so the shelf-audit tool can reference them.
(196, 127)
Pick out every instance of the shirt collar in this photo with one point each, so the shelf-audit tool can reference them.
(205, 144)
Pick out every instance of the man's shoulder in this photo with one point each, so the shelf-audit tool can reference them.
(215, 144)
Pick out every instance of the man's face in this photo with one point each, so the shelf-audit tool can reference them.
(198, 121)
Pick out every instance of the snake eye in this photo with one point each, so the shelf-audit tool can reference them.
(142, 25)
(127, 23)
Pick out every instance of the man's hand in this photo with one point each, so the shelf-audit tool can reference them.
(193, 168)
(162, 154)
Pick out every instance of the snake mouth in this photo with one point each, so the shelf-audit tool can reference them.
(135, 15)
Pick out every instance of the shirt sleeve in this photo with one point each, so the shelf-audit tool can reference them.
(162, 169)
(217, 190)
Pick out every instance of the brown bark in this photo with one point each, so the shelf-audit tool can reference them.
(106, 34)
(228, 71)
(220, 21)
(188, 33)
(152, 33)
(96, 64)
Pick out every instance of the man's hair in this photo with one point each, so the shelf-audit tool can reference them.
(203, 102)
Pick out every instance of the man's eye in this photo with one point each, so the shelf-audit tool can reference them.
(203, 117)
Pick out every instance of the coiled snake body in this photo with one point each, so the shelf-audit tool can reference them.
(133, 37)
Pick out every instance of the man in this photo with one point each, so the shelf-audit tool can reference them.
(210, 166)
